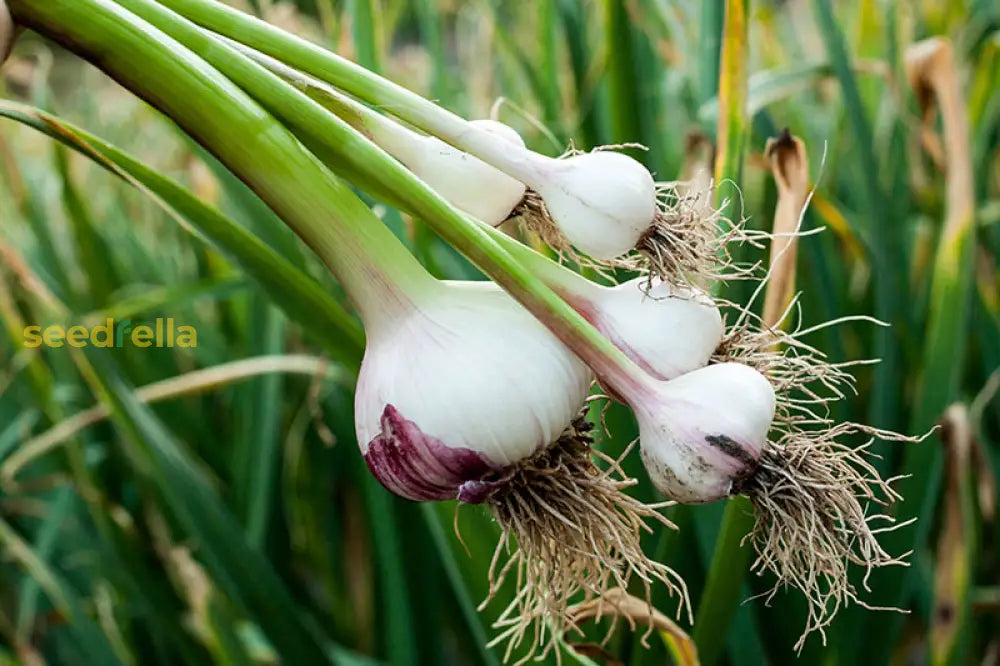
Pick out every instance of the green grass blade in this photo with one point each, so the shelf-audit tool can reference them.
(364, 29)
(430, 22)
(227, 645)
(45, 541)
(303, 300)
(623, 83)
(89, 642)
(888, 271)
(724, 584)
(770, 86)
(400, 643)
(548, 67)
(241, 571)
(730, 562)
(710, 47)
(946, 335)
(93, 253)
(257, 451)
(589, 130)
(731, 132)
(461, 590)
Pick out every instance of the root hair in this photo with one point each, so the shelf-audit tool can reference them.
(689, 240)
(569, 534)
(687, 243)
(813, 499)
(534, 217)
(819, 500)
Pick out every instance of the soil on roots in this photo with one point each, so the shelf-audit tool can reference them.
(569, 534)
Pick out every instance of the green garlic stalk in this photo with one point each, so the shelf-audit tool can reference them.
(603, 203)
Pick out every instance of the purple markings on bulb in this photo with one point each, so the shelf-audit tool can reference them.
(478, 491)
(731, 448)
(422, 468)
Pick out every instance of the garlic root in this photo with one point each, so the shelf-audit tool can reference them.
(813, 491)
(811, 496)
(685, 243)
(568, 529)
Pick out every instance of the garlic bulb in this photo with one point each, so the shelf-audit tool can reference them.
(602, 201)
(667, 330)
(465, 387)
(465, 181)
(704, 432)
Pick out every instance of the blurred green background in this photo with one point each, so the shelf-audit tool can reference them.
(233, 520)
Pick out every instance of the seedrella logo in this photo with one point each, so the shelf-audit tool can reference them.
(161, 332)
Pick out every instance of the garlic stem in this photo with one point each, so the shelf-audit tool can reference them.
(616, 370)
(380, 276)
(398, 140)
(392, 136)
(474, 187)
(603, 232)
(343, 74)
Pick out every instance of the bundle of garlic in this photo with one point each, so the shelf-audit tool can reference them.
(811, 490)
(707, 435)
(471, 392)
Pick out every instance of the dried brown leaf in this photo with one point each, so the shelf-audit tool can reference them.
(954, 549)
(790, 166)
(618, 603)
(933, 75)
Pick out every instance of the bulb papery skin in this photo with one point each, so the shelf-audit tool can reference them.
(463, 388)
(467, 182)
(666, 329)
(701, 435)
(602, 201)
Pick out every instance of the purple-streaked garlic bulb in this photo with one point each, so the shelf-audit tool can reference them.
(460, 391)
(702, 435)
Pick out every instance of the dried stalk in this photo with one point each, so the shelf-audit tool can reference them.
(790, 166)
